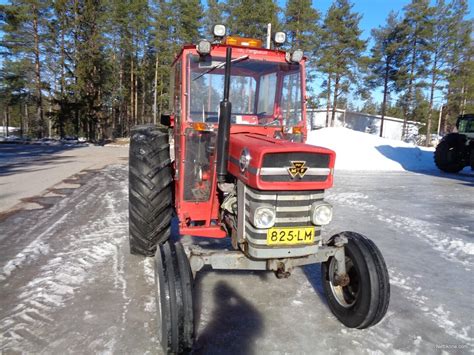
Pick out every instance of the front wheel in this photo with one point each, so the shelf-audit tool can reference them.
(363, 302)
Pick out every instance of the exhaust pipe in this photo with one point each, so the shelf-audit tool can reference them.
(223, 132)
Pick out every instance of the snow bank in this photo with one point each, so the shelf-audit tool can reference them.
(363, 151)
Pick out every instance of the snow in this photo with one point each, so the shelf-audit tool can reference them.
(363, 151)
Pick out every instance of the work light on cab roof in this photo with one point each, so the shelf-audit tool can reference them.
(204, 46)
(241, 171)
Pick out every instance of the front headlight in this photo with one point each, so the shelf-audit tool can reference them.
(264, 217)
(321, 213)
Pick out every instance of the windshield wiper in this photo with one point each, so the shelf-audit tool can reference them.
(271, 123)
(221, 65)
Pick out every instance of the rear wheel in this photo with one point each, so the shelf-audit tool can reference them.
(364, 300)
(150, 189)
(174, 302)
(448, 156)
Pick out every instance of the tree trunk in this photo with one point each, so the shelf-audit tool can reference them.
(122, 101)
(27, 119)
(161, 93)
(63, 82)
(6, 122)
(144, 62)
(328, 100)
(142, 109)
(410, 87)
(76, 41)
(430, 110)
(155, 91)
(132, 96)
(22, 121)
(334, 100)
(135, 100)
(36, 50)
(462, 103)
(384, 101)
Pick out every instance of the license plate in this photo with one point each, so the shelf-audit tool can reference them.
(290, 236)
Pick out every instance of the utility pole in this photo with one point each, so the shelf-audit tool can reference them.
(439, 120)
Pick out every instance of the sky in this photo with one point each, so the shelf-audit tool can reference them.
(374, 12)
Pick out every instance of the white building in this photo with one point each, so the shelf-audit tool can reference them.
(363, 122)
(12, 131)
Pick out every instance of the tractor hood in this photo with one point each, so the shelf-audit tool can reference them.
(266, 163)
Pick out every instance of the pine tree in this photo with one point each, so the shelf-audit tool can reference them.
(162, 29)
(303, 31)
(341, 50)
(24, 26)
(91, 68)
(301, 25)
(249, 18)
(187, 16)
(417, 30)
(460, 67)
(438, 47)
(386, 62)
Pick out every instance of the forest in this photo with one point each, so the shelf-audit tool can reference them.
(96, 68)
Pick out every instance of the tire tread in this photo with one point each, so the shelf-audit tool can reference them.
(150, 189)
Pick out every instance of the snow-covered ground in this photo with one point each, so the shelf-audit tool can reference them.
(363, 151)
(69, 285)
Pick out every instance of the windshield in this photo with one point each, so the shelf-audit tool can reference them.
(466, 125)
(261, 92)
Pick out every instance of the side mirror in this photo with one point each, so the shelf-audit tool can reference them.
(165, 119)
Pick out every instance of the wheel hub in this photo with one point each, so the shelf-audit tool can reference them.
(344, 288)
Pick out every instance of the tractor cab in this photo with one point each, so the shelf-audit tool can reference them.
(465, 125)
(267, 127)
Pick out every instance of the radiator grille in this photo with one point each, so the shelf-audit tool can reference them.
(292, 209)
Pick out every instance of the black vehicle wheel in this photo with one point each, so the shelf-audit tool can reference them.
(364, 301)
(449, 156)
(174, 299)
(150, 189)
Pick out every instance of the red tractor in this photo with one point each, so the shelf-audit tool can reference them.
(242, 171)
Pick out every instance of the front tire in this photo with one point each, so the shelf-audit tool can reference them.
(449, 155)
(150, 189)
(364, 301)
(174, 301)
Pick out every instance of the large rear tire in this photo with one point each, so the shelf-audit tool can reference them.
(174, 301)
(364, 301)
(449, 155)
(150, 189)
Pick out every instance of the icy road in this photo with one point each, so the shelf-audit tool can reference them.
(69, 285)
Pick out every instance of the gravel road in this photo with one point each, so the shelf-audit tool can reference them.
(69, 285)
(28, 170)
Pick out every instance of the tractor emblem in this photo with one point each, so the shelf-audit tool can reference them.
(297, 168)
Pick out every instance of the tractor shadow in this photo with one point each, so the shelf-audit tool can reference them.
(234, 323)
(315, 278)
(404, 156)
